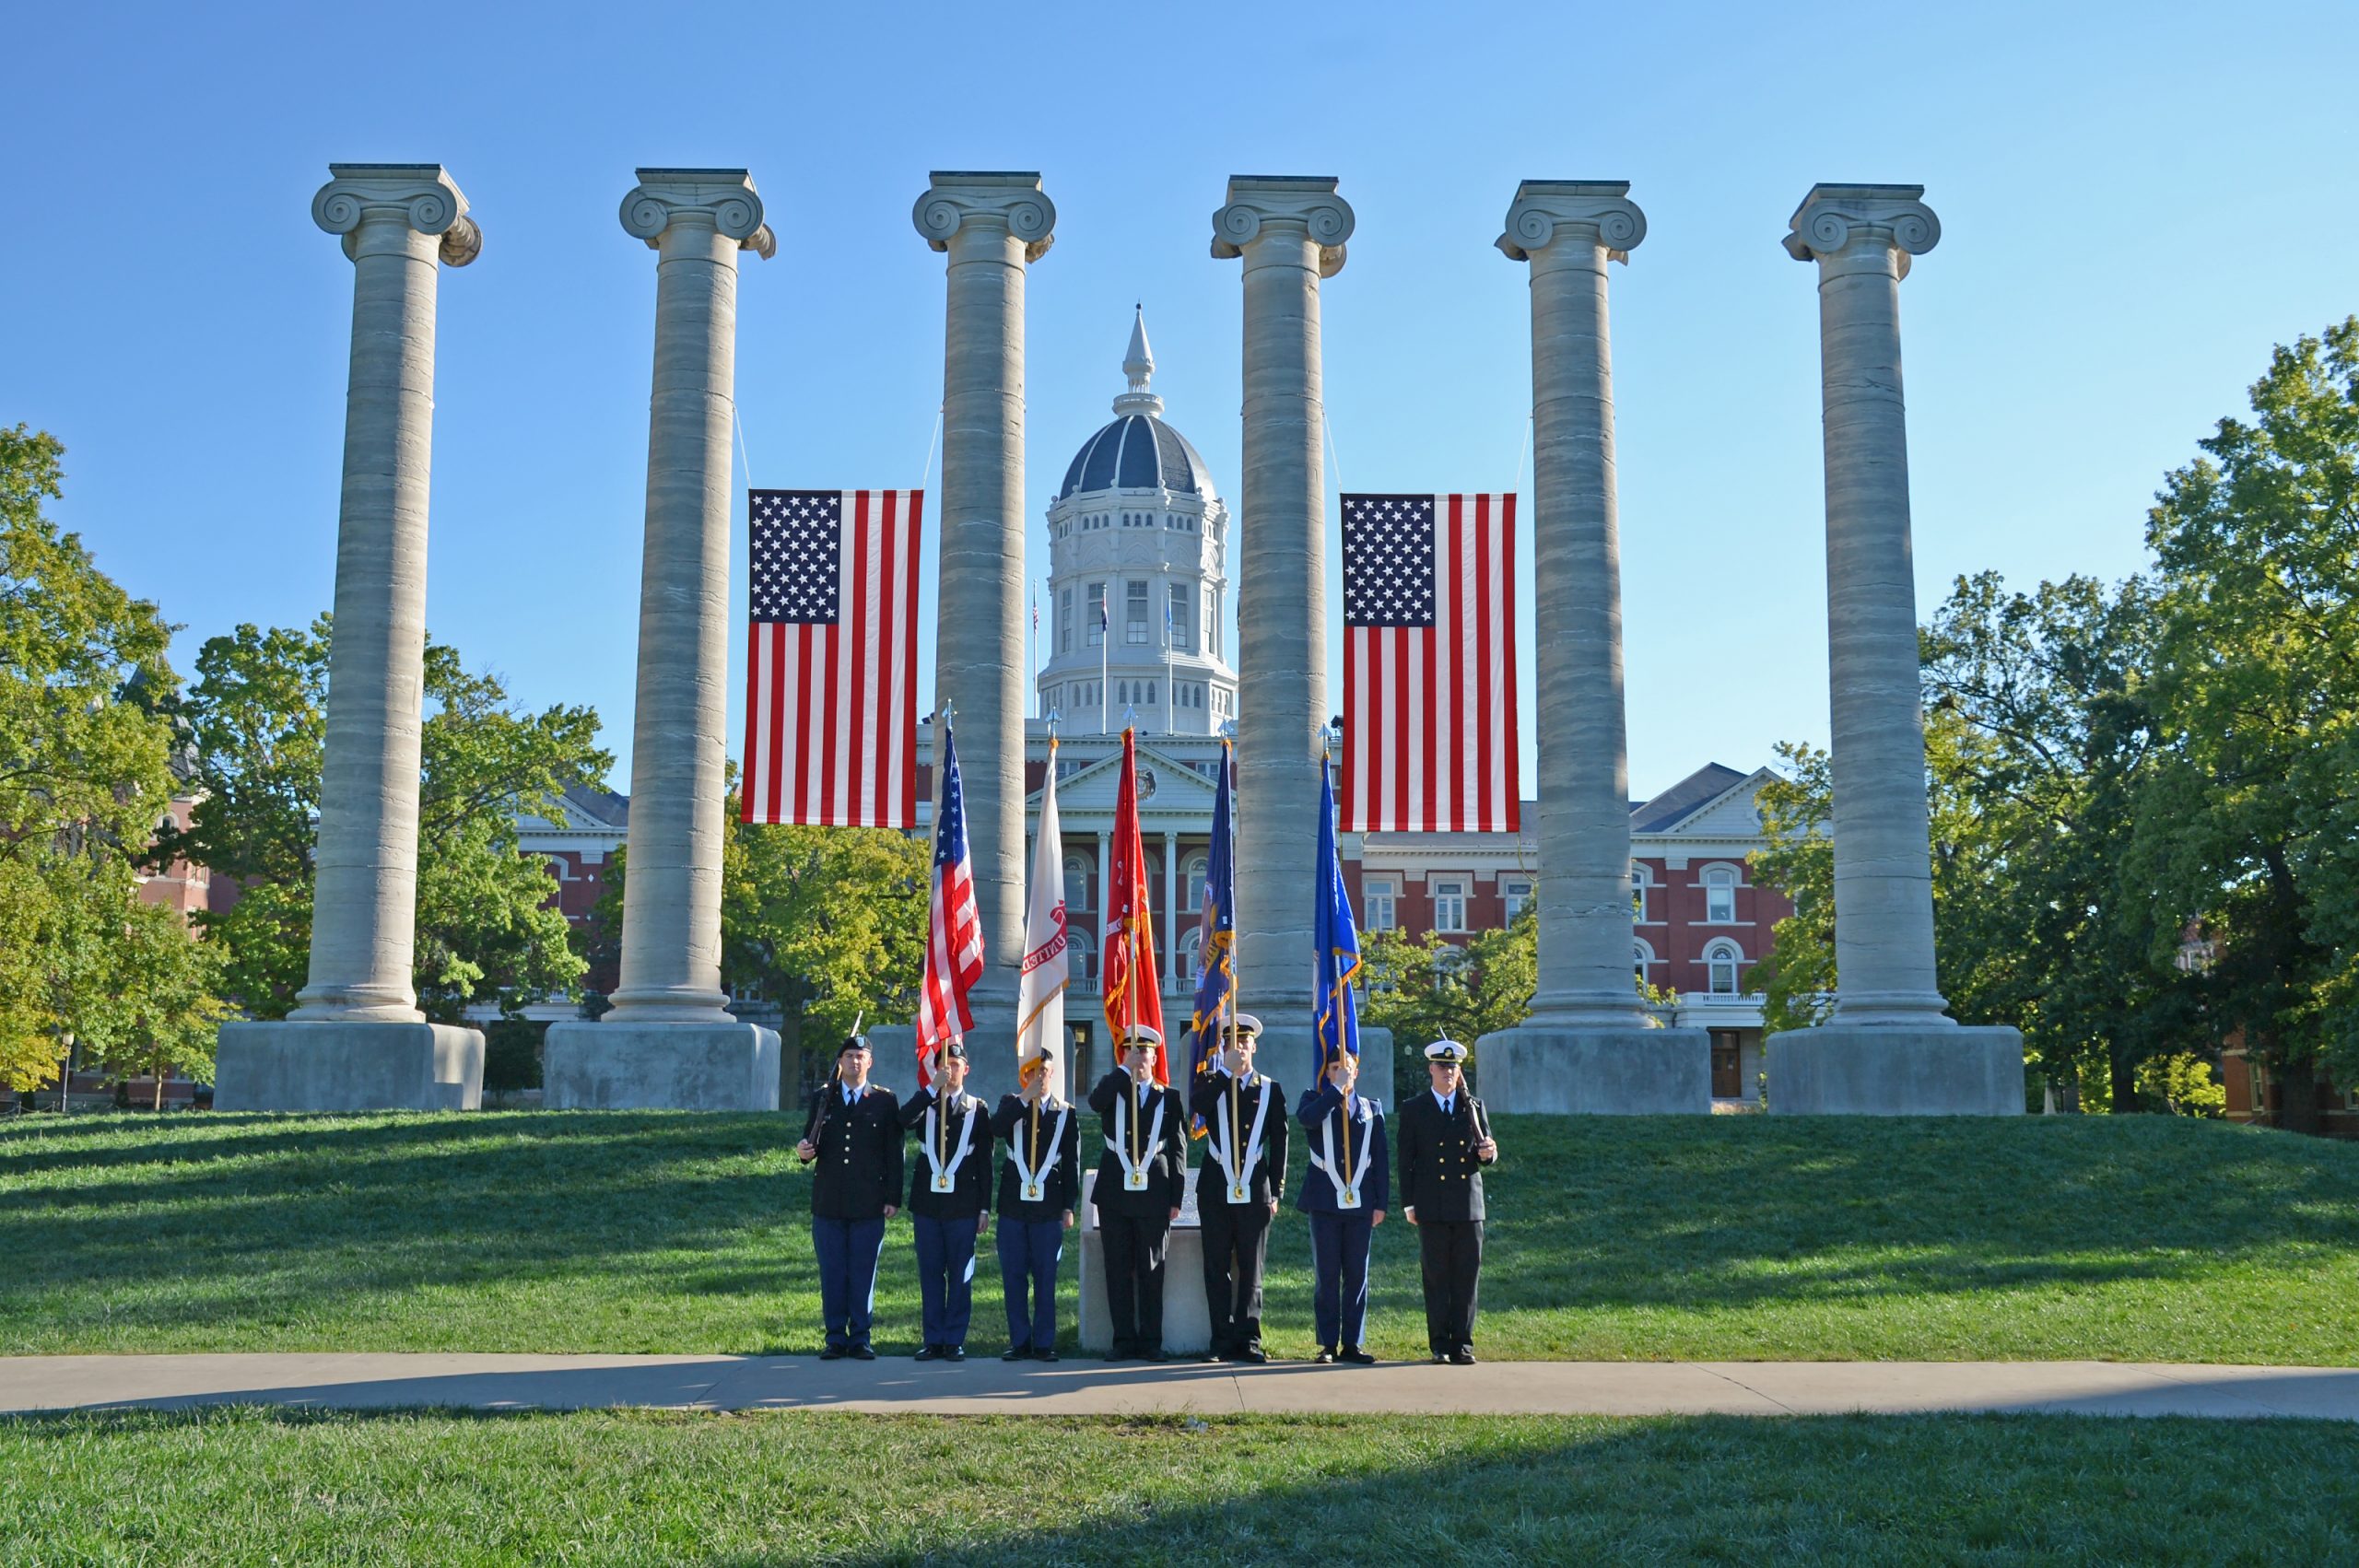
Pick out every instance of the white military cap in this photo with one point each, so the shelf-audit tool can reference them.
(1447, 1051)
(1249, 1025)
(1141, 1033)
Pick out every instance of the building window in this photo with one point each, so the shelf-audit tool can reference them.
(1721, 961)
(1135, 627)
(1639, 887)
(1641, 956)
(1449, 905)
(1375, 899)
(1180, 597)
(1211, 622)
(1096, 614)
(1064, 623)
(1078, 955)
(1150, 694)
(1719, 895)
(1077, 883)
(1197, 867)
(1515, 894)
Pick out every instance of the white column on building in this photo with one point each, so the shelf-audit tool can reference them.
(992, 226)
(1568, 231)
(1589, 1047)
(696, 220)
(1170, 907)
(1105, 875)
(398, 222)
(1290, 233)
(1889, 1045)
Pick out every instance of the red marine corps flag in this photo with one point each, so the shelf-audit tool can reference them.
(1429, 741)
(1132, 995)
(831, 657)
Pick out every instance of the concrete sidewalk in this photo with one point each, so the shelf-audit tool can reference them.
(987, 1386)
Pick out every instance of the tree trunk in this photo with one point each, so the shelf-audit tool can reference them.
(2298, 1097)
(2125, 1082)
(2068, 1094)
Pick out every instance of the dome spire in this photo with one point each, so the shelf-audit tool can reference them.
(1138, 364)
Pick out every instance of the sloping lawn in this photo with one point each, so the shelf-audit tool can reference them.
(802, 1488)
(2067, 1237)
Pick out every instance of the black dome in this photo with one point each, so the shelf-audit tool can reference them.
(1137, 452)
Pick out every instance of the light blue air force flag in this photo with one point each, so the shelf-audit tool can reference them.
(1336, 942)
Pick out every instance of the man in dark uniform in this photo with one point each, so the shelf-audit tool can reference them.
(1238, 1186)
(855, 1132)
(950, 1199)
(1039, 1190)
(1138, 1191)
(1445, 1143)
(1344, 1195)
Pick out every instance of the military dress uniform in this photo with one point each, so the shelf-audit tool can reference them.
(1135, 1197)
(855, 1177)
(949, 1194)
(1240, 1182)
(1350, 1178)
(1441, 1179)
(1040, 1184)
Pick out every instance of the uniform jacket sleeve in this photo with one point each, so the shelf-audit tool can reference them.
(895, 1155)
(913, 1108)
(1274, 1134)
(1379, 1159)
(1102, 1098)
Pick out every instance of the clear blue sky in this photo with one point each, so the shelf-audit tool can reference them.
(2136, 200)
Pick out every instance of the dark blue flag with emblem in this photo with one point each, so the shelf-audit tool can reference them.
(1216, 940)
(1336, 1012)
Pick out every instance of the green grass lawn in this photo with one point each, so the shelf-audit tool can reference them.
(797, 1488)
(2128, 1238)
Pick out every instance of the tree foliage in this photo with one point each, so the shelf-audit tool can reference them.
(256, 715)
(1433, 989)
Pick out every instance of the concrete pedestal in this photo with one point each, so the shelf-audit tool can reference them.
(1598, 1071)
(348, 1065)
(1187, 1315)
(671, 1067)
(1897, 1070)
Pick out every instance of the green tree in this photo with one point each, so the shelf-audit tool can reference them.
(827, 922)
(256, 717)
(2253, 815)
(85, 770)
(1433, 989)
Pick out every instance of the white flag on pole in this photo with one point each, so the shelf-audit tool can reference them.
(1040, 994)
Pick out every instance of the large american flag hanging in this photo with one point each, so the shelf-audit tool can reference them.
(1429, 731)
(831, 657)
(954, 933)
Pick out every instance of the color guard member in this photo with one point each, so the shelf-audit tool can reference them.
(1238, 1186)
(1039, 1190)
(1139, 1187)
(854, 1133)
(1445, 1142)
(1344, 1195)
(950, 1199)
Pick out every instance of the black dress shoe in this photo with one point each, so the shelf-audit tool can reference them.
(1157, 1357)
(1251, 1356)
(1044, 1353)
(863, 1352)
(1441, 1358)
(1358, 1357)
(928, 1353)
(1118, 1353)
(954, 1352)
(1017, 1352)
(833, 1352)
(1462, 1356)
(1324, 1358)
(1209, 1355)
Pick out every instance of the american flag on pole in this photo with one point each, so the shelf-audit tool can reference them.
(831, 657)
(1429, 732)
(954, 932)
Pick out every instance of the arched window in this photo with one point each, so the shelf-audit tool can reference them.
(1077, 883)
(1196, 868)
(1191, 954)
(1719, 895)
(1721, 960)
(1642, 956)
(1080, 954)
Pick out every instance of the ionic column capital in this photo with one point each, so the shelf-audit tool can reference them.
(1284, 205)
(1834, 219)
(1013, 201)
(724, 198)
(420, 195)
(1595, 212)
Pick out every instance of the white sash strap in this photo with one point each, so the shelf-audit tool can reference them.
(1240, 1176)
(945, 1177)
(1347, 1193)
(1035, 1181)
(1134, 1175)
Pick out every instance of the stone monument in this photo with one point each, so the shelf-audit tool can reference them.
(1889, 1048)
(670, 1041)
(1589, 1046)
(355, 1039)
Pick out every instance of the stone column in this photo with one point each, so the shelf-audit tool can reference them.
(355, 1039)
(992, 226)
(1888, 1045)
(670, 1042)
(1290, 233)
(1589, 1046)
(1170, 907)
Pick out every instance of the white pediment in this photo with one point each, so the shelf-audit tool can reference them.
(1730, 814)
(1165, 784)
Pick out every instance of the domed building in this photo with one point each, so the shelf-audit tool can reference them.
(1138, 551)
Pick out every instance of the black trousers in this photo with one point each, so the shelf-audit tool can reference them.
(1451, 1251)
(1136, 1245)
(1237, 1245)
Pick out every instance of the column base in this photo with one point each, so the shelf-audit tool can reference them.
(1595, 1071)
(347, 1064)
(1896, 1069)
(667, 1067)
